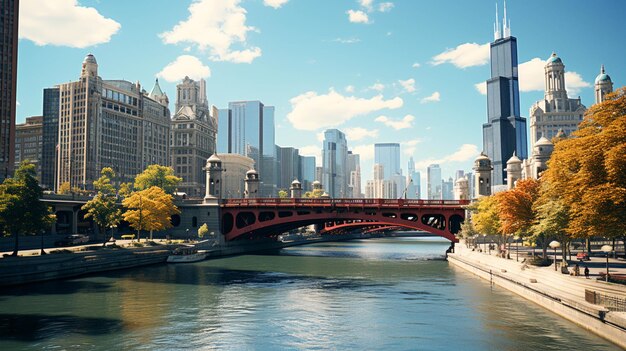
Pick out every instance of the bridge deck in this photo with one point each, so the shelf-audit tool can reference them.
(307, 202)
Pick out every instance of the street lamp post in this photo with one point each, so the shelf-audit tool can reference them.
(607, 249)
(554, 245)
(516, 248)
(43, 252)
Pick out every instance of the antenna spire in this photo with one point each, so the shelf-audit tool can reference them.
(506, 24)
(496, 31)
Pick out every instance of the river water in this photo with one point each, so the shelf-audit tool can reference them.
(378, 294)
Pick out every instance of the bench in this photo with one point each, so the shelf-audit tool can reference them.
(128, 236)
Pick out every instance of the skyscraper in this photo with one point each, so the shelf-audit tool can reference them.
(288, 166)
(28, 142)
(247, 128)
(414, 186)
(334, 163)
(505, 131)
(307, 171)
(354, 175)
(108, 123)
(388, 155)
(556, 111)
(50, 137)
(193, 134)
(433, 180)
(9, 15)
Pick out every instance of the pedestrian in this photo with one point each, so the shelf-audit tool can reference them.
(576, 270)
(587, 272)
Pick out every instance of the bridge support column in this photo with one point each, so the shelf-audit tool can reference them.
(74, 221)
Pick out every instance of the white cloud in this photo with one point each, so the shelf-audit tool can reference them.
(416, 65)
(408, 85)
(349, 89)
(184, 65)
(410, 146)
(215, 26)
(365, 152)
(320, 137)
(464, 55)
(481, 87)
(346, 40)
(532, 78)
(64, 23)
(367, 4)
(574, 83)
(464, 153)
(434, 97)
(405, 122)
(377, 86)
(385, 6)
(275, 3)
(357, 16)
(312, 111)
(359, 133)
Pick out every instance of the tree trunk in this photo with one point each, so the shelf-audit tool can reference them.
(588, 244)
(17, 244)
(104, 239)
(614, 249)
(138, 238)
(150, 235)
(564, 255)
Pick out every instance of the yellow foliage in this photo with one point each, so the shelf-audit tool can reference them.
(150, 209)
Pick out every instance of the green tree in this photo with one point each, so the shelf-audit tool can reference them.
(553, 218)
(103, 208)
(157, 175)
(203, 230)
(485, 217)
(282, 193)
(149, 209)
(21, 210)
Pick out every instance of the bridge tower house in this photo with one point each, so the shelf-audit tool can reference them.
(513, 171)
(213, 178)
(296, 189)
(483, 168)
(252, 184)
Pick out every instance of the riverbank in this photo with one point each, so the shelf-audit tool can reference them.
(559, 293)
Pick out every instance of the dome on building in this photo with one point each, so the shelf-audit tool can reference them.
(295, 182)
(213, 158)
(90, 58)
(602, 77)
(543, 141)
(252, 171)
(317, 182)
(514, 160)
(462, 180)
(554, 59)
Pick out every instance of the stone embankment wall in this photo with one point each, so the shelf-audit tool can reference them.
(597, 319)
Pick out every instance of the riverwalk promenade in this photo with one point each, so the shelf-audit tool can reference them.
(560, 293)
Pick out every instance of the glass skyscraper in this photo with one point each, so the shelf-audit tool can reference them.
(50, 137)
(247, 128)
(505, 131)
(388, 155)
(434, 183)
(334, 163)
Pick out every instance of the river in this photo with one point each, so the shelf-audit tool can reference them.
(378, 294)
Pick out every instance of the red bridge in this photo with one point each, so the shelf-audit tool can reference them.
(248, 218)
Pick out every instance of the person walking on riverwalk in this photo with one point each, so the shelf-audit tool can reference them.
(586, 272)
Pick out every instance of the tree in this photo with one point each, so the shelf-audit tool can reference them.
(588, 171)
(126, 189)
(149, 209)
(515, 208)
(21, 210)
(157, 175)
(103, 208)
(282, 193)
(65, 188)
(553, 220)
(485, 216)
(314, 194)
(203, 230)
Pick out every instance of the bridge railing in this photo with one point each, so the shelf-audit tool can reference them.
(340, 202)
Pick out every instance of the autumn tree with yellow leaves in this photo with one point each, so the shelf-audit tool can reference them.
(149, 209)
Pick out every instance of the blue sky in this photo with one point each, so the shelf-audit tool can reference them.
(381, 71)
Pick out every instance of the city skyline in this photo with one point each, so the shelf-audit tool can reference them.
(401, 93)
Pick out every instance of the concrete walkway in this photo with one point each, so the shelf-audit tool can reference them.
(553, 282)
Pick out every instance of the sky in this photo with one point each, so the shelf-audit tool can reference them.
(404, 71)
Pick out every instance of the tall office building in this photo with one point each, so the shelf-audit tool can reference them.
(247, 128)
(505, 131)
(388, 155)
(354, 176)
(50, 137)
(193, 133)
(307, 172)
(447, 189)
(108, 123)
(556, 111)
(28, 142)
(433, 180)
(414, 187)
(379, 187)
(9, 15)
(334, 163)
(288, 166)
